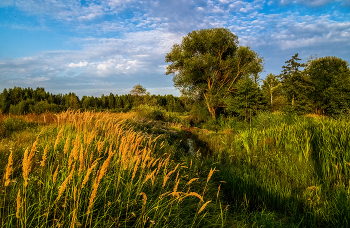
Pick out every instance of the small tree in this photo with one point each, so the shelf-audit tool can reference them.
(296, 86)
(271, 88)
(248, 100)
(138, 90)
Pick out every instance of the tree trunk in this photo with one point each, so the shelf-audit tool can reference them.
(210, 108)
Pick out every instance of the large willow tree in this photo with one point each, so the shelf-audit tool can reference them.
(208, 63)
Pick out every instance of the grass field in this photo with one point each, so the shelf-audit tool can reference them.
(86, 169)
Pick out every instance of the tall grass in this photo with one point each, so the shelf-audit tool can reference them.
(93, 170)
(294, 166)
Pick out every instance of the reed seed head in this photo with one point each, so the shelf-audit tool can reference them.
(18, 203)
(203, 207)
(42, 164)
(25, 167)
(210, 174)
(65, 183)
(60, 133)
(9, 170)
(66, 145)
(196, 195)
(144, 197)
(55, 175)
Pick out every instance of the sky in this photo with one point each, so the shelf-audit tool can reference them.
(94, 47)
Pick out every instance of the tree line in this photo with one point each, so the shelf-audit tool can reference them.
(19, 100)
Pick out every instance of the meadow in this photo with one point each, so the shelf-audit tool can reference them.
(151, 168)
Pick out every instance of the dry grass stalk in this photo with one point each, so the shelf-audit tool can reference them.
(18, 203)
(42, 163)
(26, 167)
(66, 145)
(91, 157)
(87, 175)
(150, 162)
(196, 195)
(74, 153)
(99, 146)
(60, 133)
(65, 183)
(176, 182)
(81, 160)
(217, 194)
(146, 156)
(9, 170)
(135, 168)
(144, 198)
(191, 181)
(150, 176)
(211, 173)
(98, 178)
(104, 167)
(203, 207)
(176, 194)
(162, 195)
(159, 166)
(55, 175)
(166, 177)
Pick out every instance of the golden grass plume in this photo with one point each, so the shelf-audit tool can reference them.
(9, 170)
(203, 207)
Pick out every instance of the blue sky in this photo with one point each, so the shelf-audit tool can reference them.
(93, 47)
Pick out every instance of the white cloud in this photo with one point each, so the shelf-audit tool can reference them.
(80, 64)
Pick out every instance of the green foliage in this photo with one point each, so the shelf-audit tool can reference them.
(272, 91)
(158, 113)
(22, 107)
(138, 90)
(208, 62)
(199, 112)
(331, 79)
(151, 112)
(297, 87)
(247, 101)
(12, 125)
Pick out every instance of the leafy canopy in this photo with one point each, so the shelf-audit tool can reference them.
(207, 64)
(330, 77)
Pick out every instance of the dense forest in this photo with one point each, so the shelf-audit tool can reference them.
(320, 86)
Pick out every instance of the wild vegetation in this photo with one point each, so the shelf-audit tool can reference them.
(138, 169)
(92, 169)
(230, 152)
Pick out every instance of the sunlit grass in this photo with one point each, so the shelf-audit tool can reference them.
(93, 170)
(295, 166)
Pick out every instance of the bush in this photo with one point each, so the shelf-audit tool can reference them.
(151, 112)
(10, 125)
